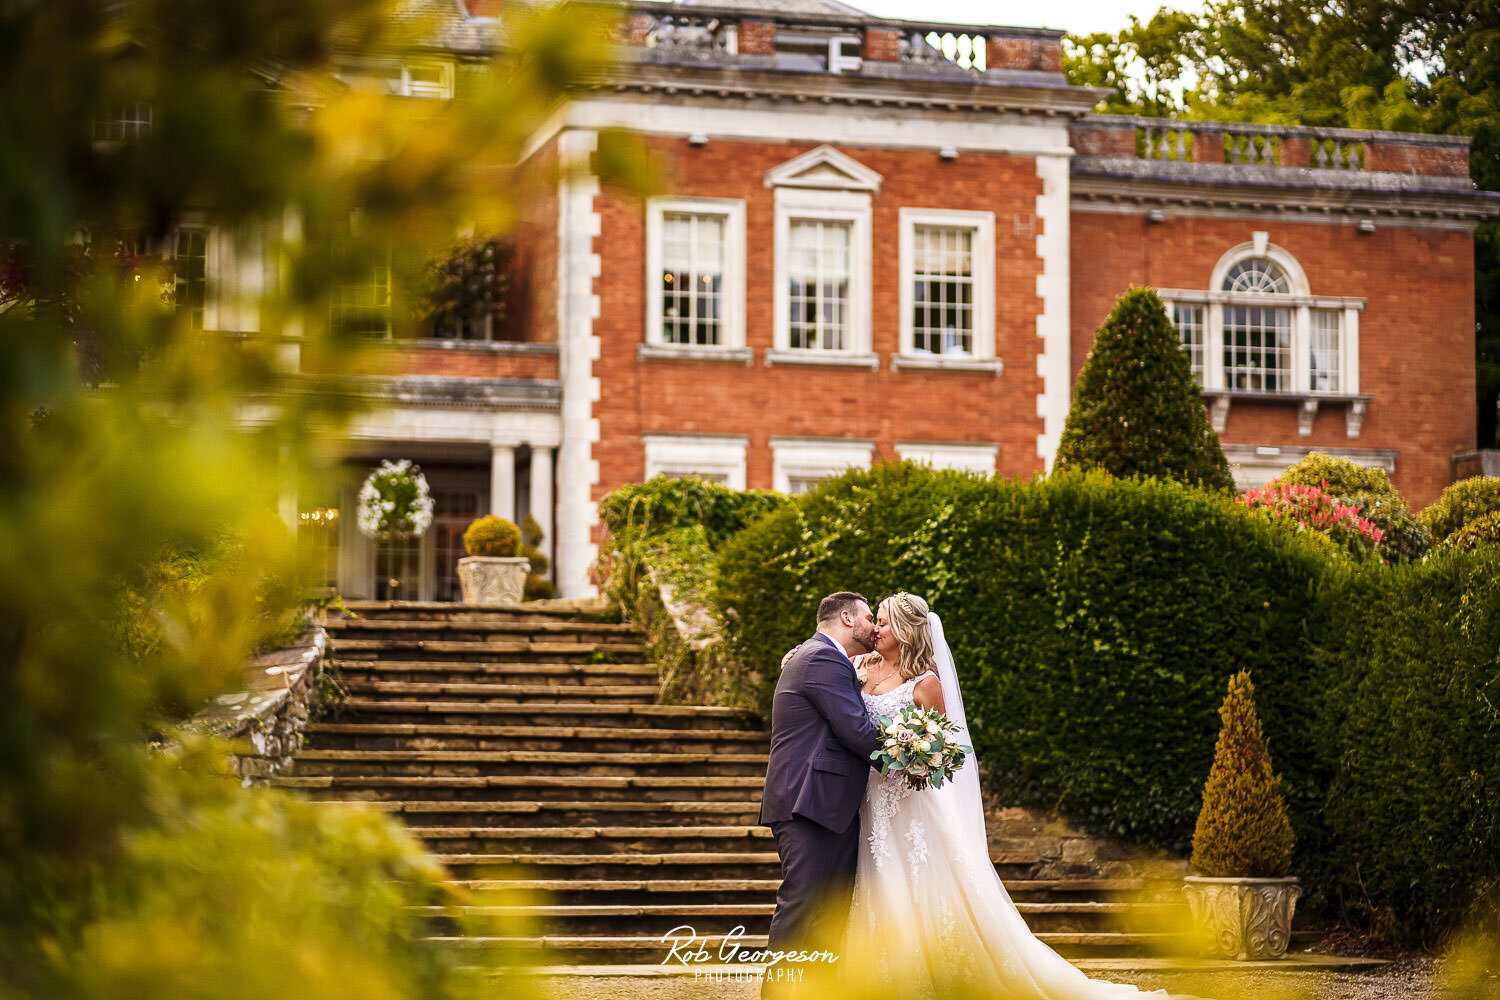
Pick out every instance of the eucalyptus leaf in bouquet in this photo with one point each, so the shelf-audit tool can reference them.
(919, 744)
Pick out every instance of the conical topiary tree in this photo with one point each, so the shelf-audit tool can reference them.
(1136, 409)
(1243, 830)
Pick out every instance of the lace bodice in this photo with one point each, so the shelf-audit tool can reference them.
(893, 700)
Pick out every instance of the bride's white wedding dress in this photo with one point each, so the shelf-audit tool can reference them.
(928, 904)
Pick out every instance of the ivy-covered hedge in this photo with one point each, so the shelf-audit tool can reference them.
(659, 565)
(1094, 622)
(1411, 727)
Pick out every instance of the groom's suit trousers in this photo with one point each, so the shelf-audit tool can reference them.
(817, 878)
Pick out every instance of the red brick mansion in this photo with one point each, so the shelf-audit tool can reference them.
(889, 239)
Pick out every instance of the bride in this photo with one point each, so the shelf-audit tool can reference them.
(927, 901)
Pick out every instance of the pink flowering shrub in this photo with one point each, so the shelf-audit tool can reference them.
(1309, 508)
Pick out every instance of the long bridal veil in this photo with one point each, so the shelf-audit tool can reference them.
(963, 790)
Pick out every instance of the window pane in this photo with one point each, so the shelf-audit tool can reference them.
(692, 278)
(1257, 275)
(818, 274)
(1190, 321)
(943, 290)
(1257, 348)
(191, 278)
(1327, 351)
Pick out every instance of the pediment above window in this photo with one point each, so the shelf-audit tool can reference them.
(824, 168)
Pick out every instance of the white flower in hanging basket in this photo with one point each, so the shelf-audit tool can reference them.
(395, 500)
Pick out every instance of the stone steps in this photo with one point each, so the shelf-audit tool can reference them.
(583, 891)
(481, 627)
(595, 839)
(384, 710)
(597, 739)
(518, 672)
(588, 812)
(640, 694)
(650, 949)
(451, 611)
(658, 918)
(760, 863)
(541, 787)
(524, 747)
(485, 763)
(491, 651)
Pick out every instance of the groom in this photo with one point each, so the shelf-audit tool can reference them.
(821, 741)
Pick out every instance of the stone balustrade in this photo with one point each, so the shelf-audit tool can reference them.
(1243, 144)
(704, 33)
(265, 718)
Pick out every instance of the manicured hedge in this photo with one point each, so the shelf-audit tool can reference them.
(1094, 622)
(1412, 722)
(665, 503)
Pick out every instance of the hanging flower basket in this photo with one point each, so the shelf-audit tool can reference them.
(395, 501)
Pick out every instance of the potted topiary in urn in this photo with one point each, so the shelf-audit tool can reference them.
(494, 572)
(1241, 897)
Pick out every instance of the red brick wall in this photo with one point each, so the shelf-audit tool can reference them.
(1404, 159)
(757, 38)
(533, 308)
(474, 362)
(1416, 334)
(729, 398)
(882, 45)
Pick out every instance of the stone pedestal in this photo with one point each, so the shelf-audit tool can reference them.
(1243, 918)
(490, 580)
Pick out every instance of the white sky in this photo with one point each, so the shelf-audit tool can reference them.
(1078, 16)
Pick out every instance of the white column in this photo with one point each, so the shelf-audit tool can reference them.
(503, 481)
(541, 495)
(1053, 326)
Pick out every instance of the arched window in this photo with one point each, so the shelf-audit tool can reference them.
(1258, 329)
(1257, 274)
(1257, 337)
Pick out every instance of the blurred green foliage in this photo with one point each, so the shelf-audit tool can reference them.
(1460, 503)
(142, 557)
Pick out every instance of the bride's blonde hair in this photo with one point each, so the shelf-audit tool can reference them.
(907, 614)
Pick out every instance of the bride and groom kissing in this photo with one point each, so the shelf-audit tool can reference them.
(894, 880)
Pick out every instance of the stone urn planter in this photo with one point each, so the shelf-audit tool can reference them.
(1242, 918)
(492, 580)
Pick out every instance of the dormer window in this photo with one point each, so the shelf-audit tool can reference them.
(427, 78)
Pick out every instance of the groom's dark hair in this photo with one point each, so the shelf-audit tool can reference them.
(834, 605)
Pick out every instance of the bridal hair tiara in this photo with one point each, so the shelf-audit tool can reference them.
(904, 599)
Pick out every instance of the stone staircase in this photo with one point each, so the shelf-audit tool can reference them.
(526, 748)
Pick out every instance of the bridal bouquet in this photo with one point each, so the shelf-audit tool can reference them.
(919, 745)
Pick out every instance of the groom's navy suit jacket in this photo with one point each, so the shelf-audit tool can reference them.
(821, 740)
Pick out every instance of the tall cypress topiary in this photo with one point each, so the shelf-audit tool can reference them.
(1136, 409)
(1243, 830)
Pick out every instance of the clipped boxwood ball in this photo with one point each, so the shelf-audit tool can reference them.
(492, 536)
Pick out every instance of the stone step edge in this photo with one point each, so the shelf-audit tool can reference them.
(1298, 963)
(532, 756)
(752, 885)
(438, 729)
(420, 806)
(649, 858)
(494, 625)
(519, 667)
(513, 780)
(1095, 939)
(1080, 908)
(580, 708)
(588, 832)
(499, 688)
